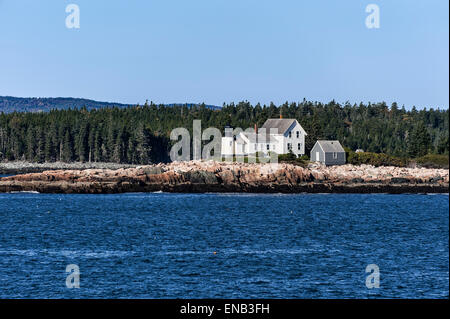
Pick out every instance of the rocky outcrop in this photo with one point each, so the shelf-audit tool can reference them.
(196, 176)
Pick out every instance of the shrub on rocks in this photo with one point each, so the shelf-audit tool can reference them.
(375, 159)
(433, 161)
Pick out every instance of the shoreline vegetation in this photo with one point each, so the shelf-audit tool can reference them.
(356, 159)
(210, 176)
(24, 167)
(389, 135)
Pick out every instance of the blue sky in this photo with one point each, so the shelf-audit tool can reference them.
(217, 51)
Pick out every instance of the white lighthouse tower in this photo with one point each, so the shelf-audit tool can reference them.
(228, 142)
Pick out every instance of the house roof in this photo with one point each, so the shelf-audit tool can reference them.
(281, 124)
(331, 146)
(240, 139)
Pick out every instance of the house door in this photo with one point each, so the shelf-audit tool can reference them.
(317, 156)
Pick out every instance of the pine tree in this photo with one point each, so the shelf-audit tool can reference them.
(82, 142)
(31, 144)
(40, 146)
(142, 145)
(443, 145)
(67, 147)
(50, 153)
(419, 141)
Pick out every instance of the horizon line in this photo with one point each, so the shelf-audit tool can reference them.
(227, 103)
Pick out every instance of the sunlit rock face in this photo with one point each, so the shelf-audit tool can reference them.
(197, 176)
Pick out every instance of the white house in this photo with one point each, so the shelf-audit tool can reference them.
(276, 135)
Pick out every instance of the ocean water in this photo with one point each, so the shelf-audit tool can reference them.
(224, 245)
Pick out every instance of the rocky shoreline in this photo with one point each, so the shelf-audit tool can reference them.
(23, 167)
(201, 177)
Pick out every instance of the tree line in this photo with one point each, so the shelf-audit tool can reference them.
(141, 134)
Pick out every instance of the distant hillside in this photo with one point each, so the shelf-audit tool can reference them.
(9, 104)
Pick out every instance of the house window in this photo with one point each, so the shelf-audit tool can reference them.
(334, 155)
(243, 148)
(289, 146)
(290, 134)
(298, 134)
(256, 147)
(299, 146)
(268, 147)
(231, 143)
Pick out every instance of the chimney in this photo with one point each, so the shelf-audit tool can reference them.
(281, 113)
(256, 129)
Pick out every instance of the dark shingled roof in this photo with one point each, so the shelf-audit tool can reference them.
(281, 124)
(331, 146)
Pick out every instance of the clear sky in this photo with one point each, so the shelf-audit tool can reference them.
(216, 51)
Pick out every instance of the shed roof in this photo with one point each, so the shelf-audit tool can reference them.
(331, 146)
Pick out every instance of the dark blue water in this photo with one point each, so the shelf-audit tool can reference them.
(267, 246)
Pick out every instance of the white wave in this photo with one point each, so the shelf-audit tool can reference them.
(67, 253)
(23, 192)
(228, 252)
